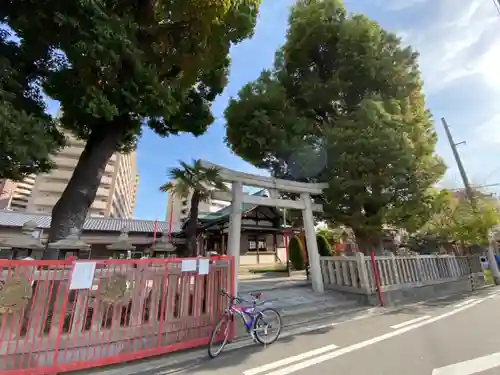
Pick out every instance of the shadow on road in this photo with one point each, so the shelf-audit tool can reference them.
(230, 358)
(438, 302)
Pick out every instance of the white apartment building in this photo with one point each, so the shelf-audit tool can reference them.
(21, 193)
(179, 207)
(116, 195)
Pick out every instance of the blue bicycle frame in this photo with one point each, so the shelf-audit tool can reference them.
(247, 314)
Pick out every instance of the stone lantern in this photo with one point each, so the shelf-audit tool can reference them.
(73, 244)
(123, 243)
(164, 246)
(25, 241)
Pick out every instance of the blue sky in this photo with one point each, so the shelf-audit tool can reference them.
(460, 49)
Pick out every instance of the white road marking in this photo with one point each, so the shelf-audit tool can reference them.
(326, 357)
(289, 360)
(464, 303)
(473, 366)
(410, 322)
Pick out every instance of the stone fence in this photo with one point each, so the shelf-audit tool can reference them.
(401, 279)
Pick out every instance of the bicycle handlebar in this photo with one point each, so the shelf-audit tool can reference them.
(235, 299)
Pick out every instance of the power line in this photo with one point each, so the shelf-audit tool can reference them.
(477, 186)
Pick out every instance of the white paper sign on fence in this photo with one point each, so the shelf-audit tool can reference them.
(188, 265)
(82, 276)
(203, 266)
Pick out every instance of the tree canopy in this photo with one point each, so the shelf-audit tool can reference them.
(28, 136)
(455, 221)
(343, 103)
(117, 65)
(195, 182)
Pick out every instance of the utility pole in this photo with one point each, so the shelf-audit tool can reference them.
(493, 266)
(461, 169)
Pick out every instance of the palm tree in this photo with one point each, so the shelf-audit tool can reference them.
(197, 180)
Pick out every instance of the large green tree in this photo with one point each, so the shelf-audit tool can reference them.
(343, 104)
(28, 136)
(119, 65)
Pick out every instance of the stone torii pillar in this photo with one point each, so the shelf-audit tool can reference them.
(234, 235)
(305, 204)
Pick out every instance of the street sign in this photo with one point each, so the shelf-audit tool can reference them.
(473, 366)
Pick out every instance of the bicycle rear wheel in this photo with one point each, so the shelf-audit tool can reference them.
(219, 337)
(264, 324)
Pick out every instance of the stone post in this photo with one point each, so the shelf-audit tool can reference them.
(363, 273)
(26, 240)
(70, 243)
(122, 243)
(234, 238)
(492, 262)
(312, 246)
(395, 272)
(164, 245)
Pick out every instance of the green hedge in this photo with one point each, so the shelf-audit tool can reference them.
(295, 253)
(324, 248)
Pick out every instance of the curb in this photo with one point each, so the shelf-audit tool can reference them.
(294, 327)
(151, 364)
(279, 285)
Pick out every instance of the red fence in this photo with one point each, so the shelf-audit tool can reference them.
(134, 309)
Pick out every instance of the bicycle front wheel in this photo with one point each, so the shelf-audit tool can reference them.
(267, 326)
(219, 336)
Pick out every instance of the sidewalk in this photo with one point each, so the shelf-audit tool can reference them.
(295, 299)
(299, 307)
(170, 363)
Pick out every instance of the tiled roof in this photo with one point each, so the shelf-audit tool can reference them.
(226, 211)
(207, 219)
(17, 219)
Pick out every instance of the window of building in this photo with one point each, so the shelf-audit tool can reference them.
(252, 244)
(257, 244)
(262, 244)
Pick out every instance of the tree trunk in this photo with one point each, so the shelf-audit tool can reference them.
(72, 208)
(367, 244)
(192, 226)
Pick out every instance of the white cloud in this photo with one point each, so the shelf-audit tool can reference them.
(489, 132)
(459, 46)
(399, 4)
(458, 39)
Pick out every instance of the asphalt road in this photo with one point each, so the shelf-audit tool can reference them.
(446, 337)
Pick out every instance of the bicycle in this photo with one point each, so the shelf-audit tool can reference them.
(253, 319)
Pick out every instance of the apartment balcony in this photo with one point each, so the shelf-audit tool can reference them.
(65, 175)
(52, 187)
(60, 174)
(65, 162)
(70, 163)
(99, 205)
(55, 188)
(50, 201)
(71, 152)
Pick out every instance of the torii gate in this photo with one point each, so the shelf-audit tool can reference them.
(273, 185)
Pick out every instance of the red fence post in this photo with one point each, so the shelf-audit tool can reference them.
(377, 279)
(142, 307)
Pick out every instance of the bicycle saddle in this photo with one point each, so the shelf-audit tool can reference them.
(256, 295)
